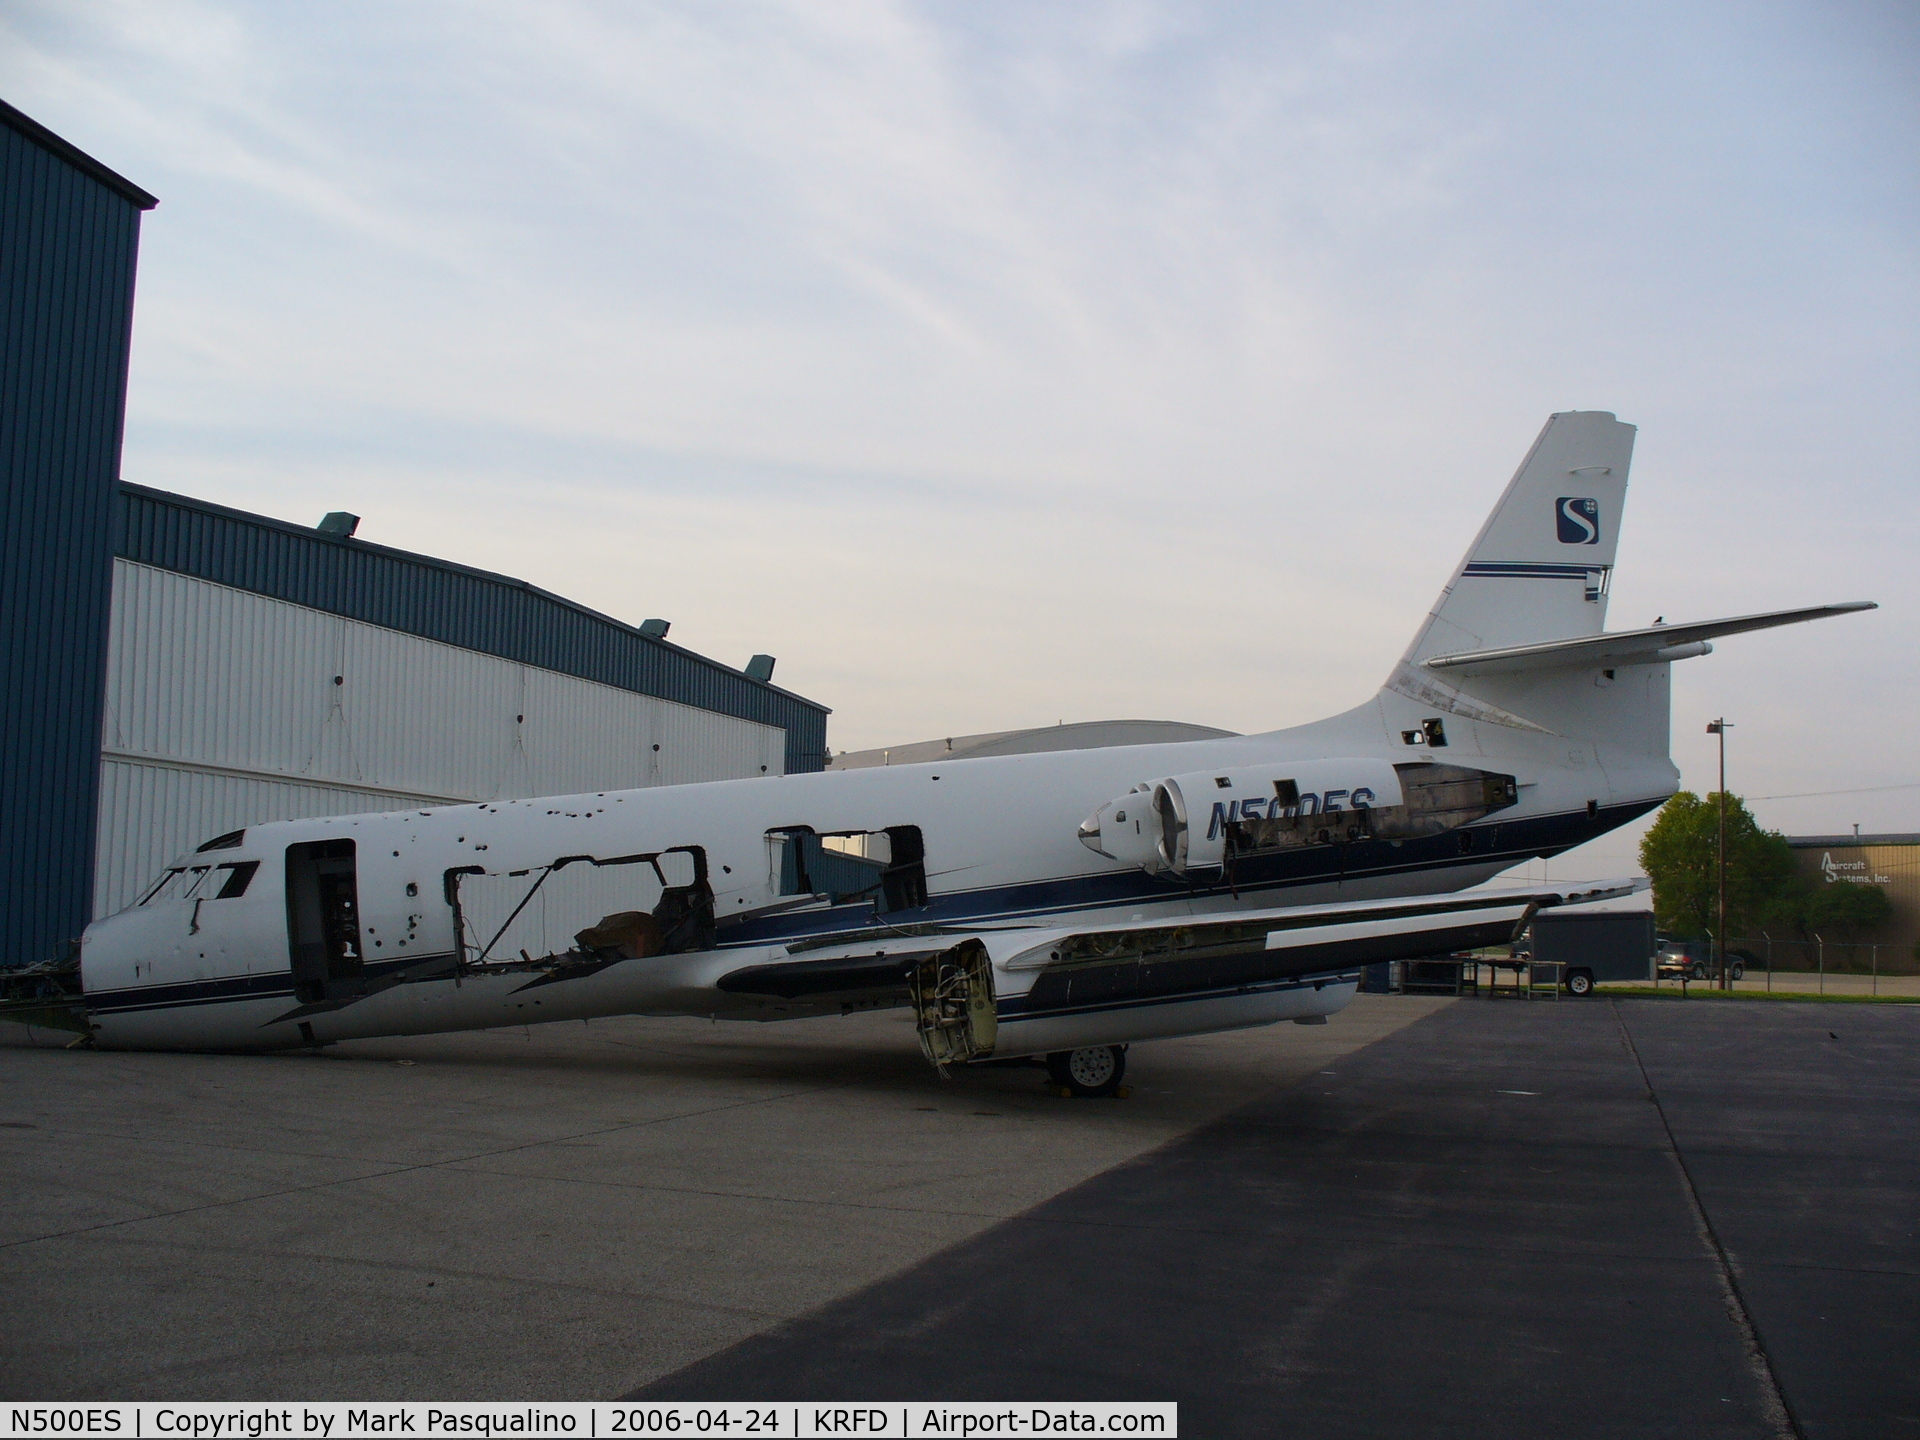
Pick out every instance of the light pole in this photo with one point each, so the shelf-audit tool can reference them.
(1720, 727)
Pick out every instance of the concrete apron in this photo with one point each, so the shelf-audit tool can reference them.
(566, 1211)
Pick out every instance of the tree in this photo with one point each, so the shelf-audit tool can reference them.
(1843, 910)
(1681, 855)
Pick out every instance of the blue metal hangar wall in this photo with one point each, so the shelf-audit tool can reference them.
(173, 669)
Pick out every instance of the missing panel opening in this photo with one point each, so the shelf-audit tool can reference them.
(885, 868)
(624, 907)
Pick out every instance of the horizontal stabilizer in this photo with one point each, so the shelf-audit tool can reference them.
(1628, 647)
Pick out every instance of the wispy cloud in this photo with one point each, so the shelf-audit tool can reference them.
(995, 364)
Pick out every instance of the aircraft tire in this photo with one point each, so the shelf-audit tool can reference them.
(1579, 982)
(1089, 1072)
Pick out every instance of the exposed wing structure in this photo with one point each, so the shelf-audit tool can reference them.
(1318, 937)
(1031, 974)
(1629, 647)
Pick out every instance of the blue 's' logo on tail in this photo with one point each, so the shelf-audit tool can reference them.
(1578, 519)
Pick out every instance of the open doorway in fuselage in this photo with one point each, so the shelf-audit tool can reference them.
(323, 921)
(886, 868)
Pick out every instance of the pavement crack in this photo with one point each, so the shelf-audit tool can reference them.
(402, 1169)
(198, 1209)
(57, 1131)
(759, 1196)
(1772, 1398)
(386, 1266)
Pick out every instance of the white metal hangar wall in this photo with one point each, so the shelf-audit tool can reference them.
(227, 705)
(227, 629)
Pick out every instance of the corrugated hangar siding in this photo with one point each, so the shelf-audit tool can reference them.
(226, 708)
(69, 231)
(450, 603)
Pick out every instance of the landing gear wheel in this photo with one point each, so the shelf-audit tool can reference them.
(1580, 982)
(1090, 1071)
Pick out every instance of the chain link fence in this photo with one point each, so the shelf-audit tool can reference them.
(1793, 963)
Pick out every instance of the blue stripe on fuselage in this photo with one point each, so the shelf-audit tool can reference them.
(1505, 841)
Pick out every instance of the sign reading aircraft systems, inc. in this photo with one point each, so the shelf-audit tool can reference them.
(1887, 863)
(1857, 872)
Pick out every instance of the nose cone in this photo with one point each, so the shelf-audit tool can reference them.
(1124, 830)
(114, 949)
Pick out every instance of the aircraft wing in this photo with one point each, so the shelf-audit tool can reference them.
(1630, 647)
(1309, 937)
(1284, 940)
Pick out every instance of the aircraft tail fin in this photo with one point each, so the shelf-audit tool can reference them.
(1535, 576)
(1539, 568)
(1518, 637)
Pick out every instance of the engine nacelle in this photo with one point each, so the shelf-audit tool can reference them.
(1186, 822)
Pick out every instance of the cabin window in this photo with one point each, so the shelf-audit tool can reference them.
(885, 868)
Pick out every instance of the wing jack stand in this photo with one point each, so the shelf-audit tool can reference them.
(953, 1005)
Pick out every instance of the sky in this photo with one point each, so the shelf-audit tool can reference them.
(993, 365)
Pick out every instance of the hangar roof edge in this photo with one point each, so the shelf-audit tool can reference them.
(413, 557)
(66, 150)
(454, 604)
(1838, 842)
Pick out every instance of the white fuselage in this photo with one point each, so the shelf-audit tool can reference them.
(188, 970)
(1021, 904)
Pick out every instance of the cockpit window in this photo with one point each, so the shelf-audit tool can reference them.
(229, 841)
(161, 884)
(179, 883)
(239, 876)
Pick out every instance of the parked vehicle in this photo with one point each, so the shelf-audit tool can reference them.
(1693, 960)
